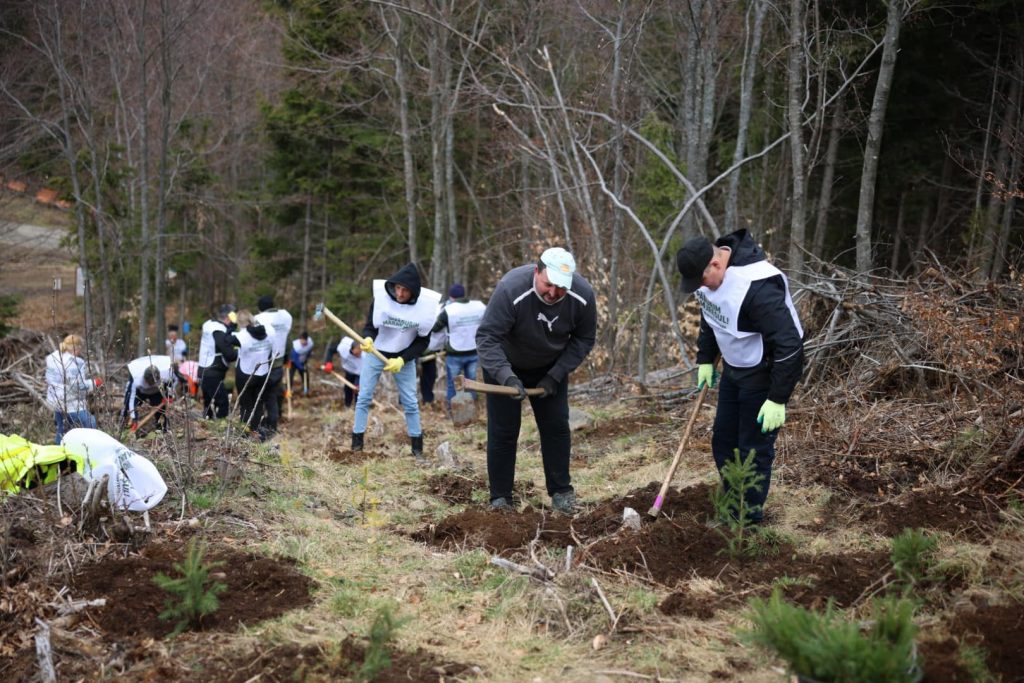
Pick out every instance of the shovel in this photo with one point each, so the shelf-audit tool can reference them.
(324, 312)
(660, 500)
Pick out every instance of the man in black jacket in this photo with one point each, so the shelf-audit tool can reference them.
(540, 323)
(216, 353)
(747, 317)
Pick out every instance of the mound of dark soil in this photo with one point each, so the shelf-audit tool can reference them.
(258, 588)
(329, 662)
(496, 531)
(454, 488)
(347, 457)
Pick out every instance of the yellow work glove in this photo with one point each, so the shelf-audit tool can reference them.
(233, 318)
(772, 416)
(706, 375)
(367, 344)
(394, 365)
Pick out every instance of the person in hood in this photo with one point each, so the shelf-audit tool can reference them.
(67, 385)
(398, 325)
(252, 374)
(278, 324)
(216, 353)
(539, 325)
(748, 318)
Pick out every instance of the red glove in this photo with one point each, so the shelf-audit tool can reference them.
(97, 382)
(135, 425)
(328, 366)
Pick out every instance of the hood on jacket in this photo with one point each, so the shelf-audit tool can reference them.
(407, 276)
(257, 331)
(744, 249)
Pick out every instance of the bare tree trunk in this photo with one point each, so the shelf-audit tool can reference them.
(876, 123)
(751, 55)
(982, 218)
(827, 179)
(1002, 239)
(439, 70)
(144, 273)
(897, 241)
(399, 42)
(618, 185)
(795, 82)
(306, 248)
(1005, 158)
(163, 180)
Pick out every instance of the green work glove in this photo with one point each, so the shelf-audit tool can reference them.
(772, 416)
(706, 375)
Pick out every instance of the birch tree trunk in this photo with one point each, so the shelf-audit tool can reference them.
(408, 166)
(748, 73)
(306, 247)
(143, 184)
(827, 179)
(795, 82)
(439, 79)
(876, 123)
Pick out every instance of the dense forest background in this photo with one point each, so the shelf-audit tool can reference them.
(216, 151)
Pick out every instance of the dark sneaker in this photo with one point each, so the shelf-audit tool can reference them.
(501, 505)
(357, 442)
(564, 503)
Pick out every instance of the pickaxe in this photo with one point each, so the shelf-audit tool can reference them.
(322, 312)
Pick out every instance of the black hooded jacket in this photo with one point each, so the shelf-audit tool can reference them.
(763, 311)
(407, 276)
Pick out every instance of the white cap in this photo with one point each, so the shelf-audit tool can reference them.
(560, 266)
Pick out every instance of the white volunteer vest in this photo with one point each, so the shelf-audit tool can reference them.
(437, 339)
(278, 324)
(303, 350)
(349, 363)
(137, 368)
(207, 347)
(721, 309)
(253, 354)
(463, 321)
(399, 324)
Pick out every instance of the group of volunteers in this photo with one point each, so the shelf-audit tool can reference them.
(537, 328)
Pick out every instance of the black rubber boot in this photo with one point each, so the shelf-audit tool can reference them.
(357, 442)
(417, 448)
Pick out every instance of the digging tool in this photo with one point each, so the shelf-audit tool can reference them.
(353, 387)
(660, 500)
(149, 416)
(288, 389)
(463, 384)
(324, 312)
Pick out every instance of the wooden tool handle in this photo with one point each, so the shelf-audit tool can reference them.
(352, 333)
(353, 387)
(463, 384)
(660, 500)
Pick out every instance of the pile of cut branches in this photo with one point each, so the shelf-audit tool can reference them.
(22, 365)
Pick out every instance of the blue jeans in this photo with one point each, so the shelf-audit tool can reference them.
(736, 427)
(454, 365)
(83, 418)
(405, 380)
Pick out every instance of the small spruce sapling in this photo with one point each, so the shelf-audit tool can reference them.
(382, 632)
(192, 596)
(913, 558)
(730, 501)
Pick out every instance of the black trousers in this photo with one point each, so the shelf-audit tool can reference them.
(350, 394)
(736, 427)
(428, 376)
(212, 384)
(504, 419)
(274, 396)
(253, 396)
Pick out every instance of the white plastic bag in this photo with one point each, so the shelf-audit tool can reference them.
(134, 484)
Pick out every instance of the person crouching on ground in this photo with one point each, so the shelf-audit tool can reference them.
(539, 325)
(398, 325)
(747, 316)
(67, 386)
(153, 382)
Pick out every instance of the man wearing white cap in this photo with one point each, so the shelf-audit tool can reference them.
(540, 323)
